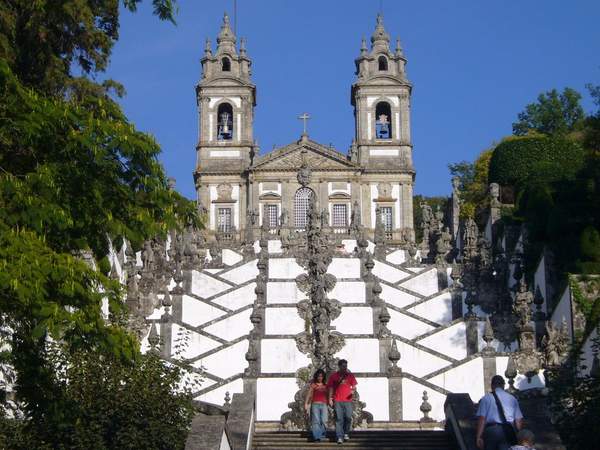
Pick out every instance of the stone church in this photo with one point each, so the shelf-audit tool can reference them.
(238, 188)
(309, 256)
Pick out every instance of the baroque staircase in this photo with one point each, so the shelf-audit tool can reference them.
(359, 440)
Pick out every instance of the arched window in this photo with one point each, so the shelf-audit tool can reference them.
(383, 121)
(302, 201)
(383, 63)
(225, 122)
(226, 64)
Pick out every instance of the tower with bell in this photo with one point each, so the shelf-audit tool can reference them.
(226, 98)
(382, 142)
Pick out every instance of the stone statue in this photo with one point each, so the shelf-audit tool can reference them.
(283, 218)
(522, 304)
(443, 246)
(456, 186)
(555, 344)
(355, 217)
(427, 215)
(148, 256)
(324, 218)
(470, 236)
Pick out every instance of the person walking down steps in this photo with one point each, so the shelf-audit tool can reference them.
(316, 405)
(341, 387)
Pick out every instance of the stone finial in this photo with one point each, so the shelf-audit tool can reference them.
(226, 34)
(243, 47)
(398, 47)
(511, 373)
(227, 403)
(380, 36)
(167, 303)
(369, 263)
(425, 409)
(363, 47)
(394, 357)
(207, 48)
(384, 319)
(153, 339)
(488, 336)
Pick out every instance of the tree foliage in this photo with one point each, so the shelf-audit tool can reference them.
(528, 159)
(575, 402)
(103, 402)
(76, 175)
(473, 186)
(553, 113)
(43, 41)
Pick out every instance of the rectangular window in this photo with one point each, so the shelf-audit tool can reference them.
(386, 217)
(340, 215)
(271, 215)
(224, 220)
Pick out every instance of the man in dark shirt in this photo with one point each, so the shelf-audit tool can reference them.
(341, 386)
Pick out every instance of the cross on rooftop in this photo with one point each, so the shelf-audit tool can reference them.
(304, 117)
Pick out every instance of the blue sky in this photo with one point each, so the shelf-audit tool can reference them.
(474, 66)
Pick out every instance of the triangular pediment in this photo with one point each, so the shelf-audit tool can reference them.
(317, 157)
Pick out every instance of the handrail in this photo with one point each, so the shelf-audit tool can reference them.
(460, 420)
(216, 428)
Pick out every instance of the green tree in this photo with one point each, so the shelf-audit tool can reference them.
(575, 402)
(592, 131)
(553, 113)
(44, 41)
(109, 404)
(473, 185)
(75, 174)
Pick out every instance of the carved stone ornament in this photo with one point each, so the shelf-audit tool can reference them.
(304, 172)
(384, 191)
(224, 191)
(555, 343)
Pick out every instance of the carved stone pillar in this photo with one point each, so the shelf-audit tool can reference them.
(394, 374)
(472, 335)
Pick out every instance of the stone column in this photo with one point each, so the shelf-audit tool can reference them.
(242, 207)
(394, 374)
(472, 335)
(166, 327)
(408, 209)
(253, 355)
(366, 206)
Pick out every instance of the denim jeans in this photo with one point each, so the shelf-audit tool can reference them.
(343, 419)
(318, 416)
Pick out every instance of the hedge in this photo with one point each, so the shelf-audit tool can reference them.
(519, 160)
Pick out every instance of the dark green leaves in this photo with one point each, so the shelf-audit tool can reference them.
(553, 113)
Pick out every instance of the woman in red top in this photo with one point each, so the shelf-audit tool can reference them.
(316, 402)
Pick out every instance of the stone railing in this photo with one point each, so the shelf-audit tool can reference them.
(460, 420)
(229, 427)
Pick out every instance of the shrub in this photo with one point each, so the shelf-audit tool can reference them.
(535, 158)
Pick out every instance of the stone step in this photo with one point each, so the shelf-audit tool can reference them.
(359, 440)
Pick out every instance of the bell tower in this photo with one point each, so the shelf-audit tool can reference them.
(382, 143)
(381, 101)
(226, 98)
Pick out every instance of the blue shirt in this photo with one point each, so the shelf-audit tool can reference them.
(489, 410)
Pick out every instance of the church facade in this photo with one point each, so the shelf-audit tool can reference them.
(238, 188)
